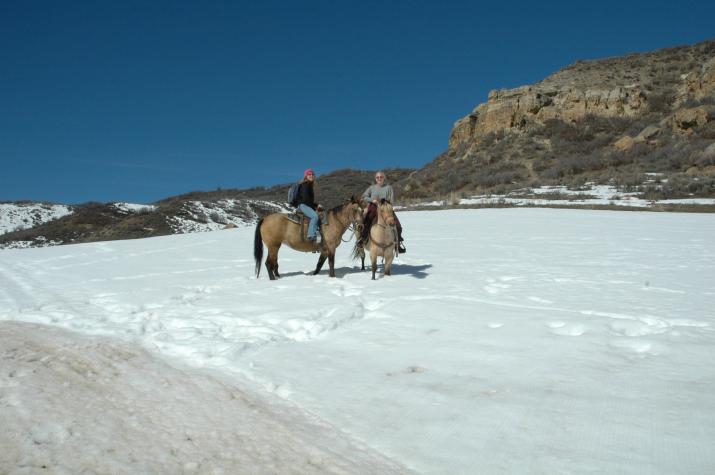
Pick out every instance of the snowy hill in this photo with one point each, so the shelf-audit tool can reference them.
(191, 212)
(100, 222)
(506, 341)
(17, 216)
(207, 212)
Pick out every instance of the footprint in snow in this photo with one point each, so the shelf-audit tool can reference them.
(494, 287)
(633, 329)
(374, 305)
(568, 330)
(638, 346)
(345, 291)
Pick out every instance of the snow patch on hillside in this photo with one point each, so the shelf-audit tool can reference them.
(39, 241)
(562, 196)
(204, 216)
(134, 208)
(18, 216)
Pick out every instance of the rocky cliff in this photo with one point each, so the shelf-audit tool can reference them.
(664, 99)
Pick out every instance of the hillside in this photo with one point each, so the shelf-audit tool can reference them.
(190, 212)
(606, 121)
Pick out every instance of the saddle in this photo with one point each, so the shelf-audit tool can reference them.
(299, 218)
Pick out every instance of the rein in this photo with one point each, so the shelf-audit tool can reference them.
(351, 226)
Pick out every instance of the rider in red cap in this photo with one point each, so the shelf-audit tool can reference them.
(306, 203)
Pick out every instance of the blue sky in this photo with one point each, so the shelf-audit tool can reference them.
(137, 101)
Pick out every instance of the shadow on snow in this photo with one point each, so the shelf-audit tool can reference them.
(418, 272)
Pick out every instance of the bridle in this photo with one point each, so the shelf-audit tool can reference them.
(391, 227)
(381, 214)
(353, 225)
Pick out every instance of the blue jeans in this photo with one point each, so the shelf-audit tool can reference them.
(313, 224)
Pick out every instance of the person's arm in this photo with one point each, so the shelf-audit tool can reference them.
(367, 196)
(390, 194)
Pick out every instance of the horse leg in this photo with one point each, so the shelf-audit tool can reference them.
(388, 263)
(373, 262)
(321, 261)
(272, 263)
(331, 262)
(269, 268)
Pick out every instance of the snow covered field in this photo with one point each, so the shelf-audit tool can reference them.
(506, 341)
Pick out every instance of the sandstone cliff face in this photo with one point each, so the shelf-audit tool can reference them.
(616, 87)
(519, 108)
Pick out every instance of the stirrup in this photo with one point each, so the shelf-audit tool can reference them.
(401, 247)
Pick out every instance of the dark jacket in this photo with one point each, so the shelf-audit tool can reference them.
(305, 195)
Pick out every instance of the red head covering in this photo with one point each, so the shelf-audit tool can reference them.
(309, 171)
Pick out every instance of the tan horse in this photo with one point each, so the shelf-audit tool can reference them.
(383, 239)
(276, 229)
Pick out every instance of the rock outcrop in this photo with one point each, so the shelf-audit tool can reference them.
(698, 84)
(518, 108)
(593, 88)
(595, 120)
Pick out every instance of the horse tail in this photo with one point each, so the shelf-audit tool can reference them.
(258, 247)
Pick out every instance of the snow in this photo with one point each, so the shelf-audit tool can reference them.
(17, 216)
(75, 405)
(589, 196)
(213, 216)
(506, 341)
(134, 207)
(39, 241)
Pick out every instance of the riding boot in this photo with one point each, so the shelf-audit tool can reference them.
(400, 245)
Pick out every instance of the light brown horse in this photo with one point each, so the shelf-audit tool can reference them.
(276, 229)
(383, 239)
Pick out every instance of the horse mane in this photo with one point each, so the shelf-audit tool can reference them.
(339, 208)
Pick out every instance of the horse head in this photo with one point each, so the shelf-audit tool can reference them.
(355, 211)
(384, 209)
